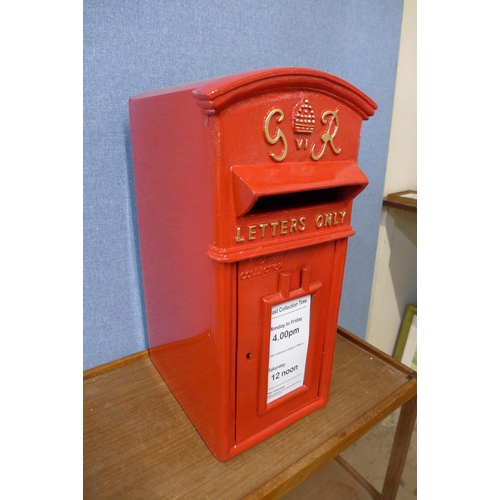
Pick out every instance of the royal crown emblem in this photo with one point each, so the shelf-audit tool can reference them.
(303, 118)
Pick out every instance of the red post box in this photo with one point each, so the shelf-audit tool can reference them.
(244, 190)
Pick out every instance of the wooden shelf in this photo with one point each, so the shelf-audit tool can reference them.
(404, 200)
(138, 443)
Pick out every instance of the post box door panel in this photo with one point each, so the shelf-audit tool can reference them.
(283, 306)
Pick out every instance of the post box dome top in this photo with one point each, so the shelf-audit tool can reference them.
(213, 96)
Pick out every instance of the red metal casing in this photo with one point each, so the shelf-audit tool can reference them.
(244, 189)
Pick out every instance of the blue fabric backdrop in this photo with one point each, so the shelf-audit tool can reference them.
(131, 46)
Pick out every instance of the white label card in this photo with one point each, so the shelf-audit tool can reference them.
(288, 344)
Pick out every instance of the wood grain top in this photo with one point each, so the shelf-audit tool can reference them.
(404, 200)
(138, 443)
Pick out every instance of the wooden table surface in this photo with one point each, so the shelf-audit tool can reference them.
(138, 443)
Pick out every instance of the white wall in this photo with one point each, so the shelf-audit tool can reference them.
(395, 274)
(401, 170)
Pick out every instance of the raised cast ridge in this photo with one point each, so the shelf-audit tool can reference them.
(216, 95)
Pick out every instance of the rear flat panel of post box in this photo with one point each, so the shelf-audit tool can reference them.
(282, 322)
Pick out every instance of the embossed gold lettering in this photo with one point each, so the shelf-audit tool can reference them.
(328, 136)
(279, 134)
(300, 142)
(282, 227)
(279, 227)
(239, 239)
(330, 219)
